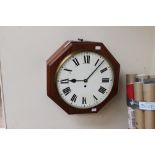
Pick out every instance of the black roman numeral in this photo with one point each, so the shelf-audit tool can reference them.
(102, 90)
(84, 100)
(103, 70)
(76, 62)
(74, 97)
(64, 81)
(87, 59)
(69, 70)
(95, 97)
(66, 91)
(97, 62)
(105, 79)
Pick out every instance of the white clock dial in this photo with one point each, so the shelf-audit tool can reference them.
(85, 79)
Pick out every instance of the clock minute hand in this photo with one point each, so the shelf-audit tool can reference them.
(86, 80)
(95, 70)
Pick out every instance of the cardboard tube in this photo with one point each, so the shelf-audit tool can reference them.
(151, 80)
(130, 79)
(149, 95)
(139, 114)
(141, 77)
(152, 76)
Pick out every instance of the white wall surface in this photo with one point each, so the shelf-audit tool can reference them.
(152, 69)
(24, 51)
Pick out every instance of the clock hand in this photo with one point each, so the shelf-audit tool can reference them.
(74, 80)
(94, 71)
(86, 80)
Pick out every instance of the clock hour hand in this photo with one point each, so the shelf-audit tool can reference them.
(74, 80)
(95, 70)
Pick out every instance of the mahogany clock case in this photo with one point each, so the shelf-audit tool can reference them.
(66, 49)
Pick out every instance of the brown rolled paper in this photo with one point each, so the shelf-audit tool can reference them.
(141, 77)
(139, 114)
(149, 95)
(152, 76)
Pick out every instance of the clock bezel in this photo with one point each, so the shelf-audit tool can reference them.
(66, 59)
(65, 50)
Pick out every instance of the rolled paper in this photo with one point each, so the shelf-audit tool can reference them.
(151, 80)
(139, 114)
(149, 96)
(152, 76)
(138, 91)
(130, 79)
(142, 77)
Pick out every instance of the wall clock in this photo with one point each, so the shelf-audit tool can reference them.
(82, 76)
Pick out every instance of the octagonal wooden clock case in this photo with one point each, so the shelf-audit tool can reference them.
(82, 76)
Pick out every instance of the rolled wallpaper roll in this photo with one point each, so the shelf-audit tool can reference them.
(130, 79)
(142, 77)
(149, 95)
(139, 114)
(138, 92)
(152, 76)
